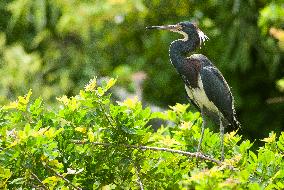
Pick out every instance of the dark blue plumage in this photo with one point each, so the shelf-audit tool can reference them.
(204, 83)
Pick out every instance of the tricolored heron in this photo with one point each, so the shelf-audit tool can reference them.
(205, 85)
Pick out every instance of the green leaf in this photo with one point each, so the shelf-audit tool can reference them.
(100, 91)
(179, 108)
(280, 185)
(91, 135)
(18, 181)
(21, 103)
(280, 142)
(51, 181)
(128, 130)
(254, 186)
(5, 173)
(271, 138)
(92, 85)
(253, 156)
(110, 84)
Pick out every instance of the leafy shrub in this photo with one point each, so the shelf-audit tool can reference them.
(91, 142)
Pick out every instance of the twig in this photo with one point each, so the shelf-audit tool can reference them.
(106, 115)
(62, 177)
(36, 187)
(139, 181)
(189, 154)
(275, 100)
(41, 183)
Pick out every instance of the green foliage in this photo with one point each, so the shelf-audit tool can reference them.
(91, 142)
(271, 15)
(54, 47)
(280, 84)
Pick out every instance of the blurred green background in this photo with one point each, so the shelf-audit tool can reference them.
(55, 46)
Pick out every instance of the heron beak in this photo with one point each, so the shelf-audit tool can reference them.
(175, 27)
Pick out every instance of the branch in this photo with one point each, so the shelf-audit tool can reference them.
(275, 100)
(109, 118)
(37, 187)
(41, 183)
(139, 181)
(62, 177)
(189, 154)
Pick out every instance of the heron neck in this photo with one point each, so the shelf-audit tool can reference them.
(179, 50)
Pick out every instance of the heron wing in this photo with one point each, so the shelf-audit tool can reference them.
(218, 91)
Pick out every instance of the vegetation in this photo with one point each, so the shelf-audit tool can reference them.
(54, 47)
(90, 141)
(93, 143)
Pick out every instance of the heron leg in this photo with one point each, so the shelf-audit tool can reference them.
(202, 131)
(221, 137)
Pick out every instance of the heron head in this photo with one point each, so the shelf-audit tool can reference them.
(186, 28)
